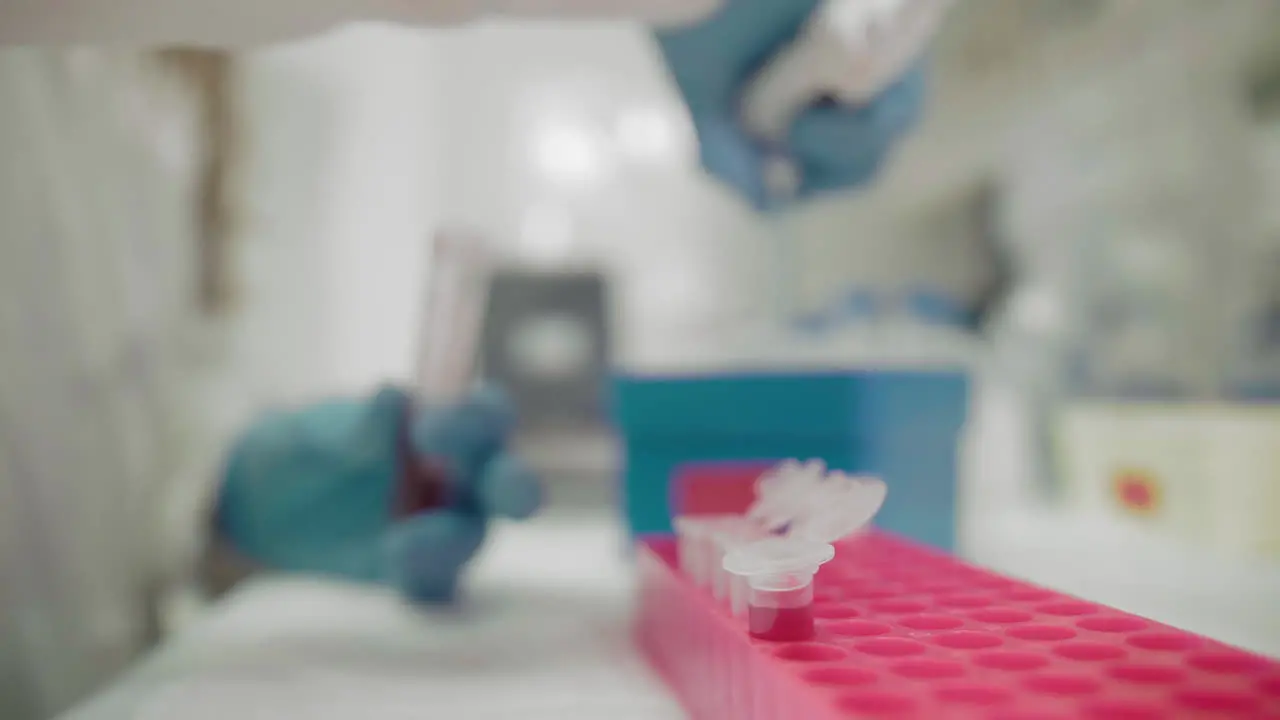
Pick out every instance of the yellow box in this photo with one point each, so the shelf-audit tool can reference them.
(1207, 473)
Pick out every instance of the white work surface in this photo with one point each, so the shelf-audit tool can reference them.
(545, 632)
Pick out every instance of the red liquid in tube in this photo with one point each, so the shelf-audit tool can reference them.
(422, 484)
(790, 624)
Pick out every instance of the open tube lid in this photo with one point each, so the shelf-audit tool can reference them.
(808, 509)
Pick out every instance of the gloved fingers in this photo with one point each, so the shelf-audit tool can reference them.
(358, 562)
(836, 147)
(316, 472)
(379, 427)
(466, 435)
(834, 136)
(508, 488)
(427, 553)
(819, 181)
(729, 155)
(710, 60)
(758, 28)
(902, 103)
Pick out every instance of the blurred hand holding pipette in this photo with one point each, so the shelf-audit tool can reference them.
(833, 85)
(847, 65)
(755, 76)
(398, 489)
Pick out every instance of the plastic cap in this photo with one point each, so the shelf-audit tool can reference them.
(778, 555)
(840, 506)
(783, 493)
(803, 500)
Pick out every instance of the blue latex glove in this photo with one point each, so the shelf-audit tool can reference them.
(835, 147)
(313, 490)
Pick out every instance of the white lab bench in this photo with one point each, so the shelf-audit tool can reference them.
(544, 632)
(546, 628)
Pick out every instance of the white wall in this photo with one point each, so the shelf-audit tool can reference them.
(340, 189)
(568, 146)
(565, 145)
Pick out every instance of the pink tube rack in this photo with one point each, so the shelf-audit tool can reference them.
(906, 631)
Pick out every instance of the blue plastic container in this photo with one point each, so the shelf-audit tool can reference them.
(901, 425)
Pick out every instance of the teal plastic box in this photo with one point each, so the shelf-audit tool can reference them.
(901, 425)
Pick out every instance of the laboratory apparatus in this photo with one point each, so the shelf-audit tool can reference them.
(457, 289)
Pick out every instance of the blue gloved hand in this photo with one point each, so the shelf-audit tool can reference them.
(835, 147)
(315, 490)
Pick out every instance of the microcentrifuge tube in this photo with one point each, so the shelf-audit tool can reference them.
(698, 555)
(739, 595)
(781, 615)
(730, 534)
(779, 574)
(720, 541)
(690, 549)
(779, 569)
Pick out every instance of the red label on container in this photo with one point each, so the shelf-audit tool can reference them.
(715, 488)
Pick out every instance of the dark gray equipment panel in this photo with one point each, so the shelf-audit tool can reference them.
(546, 341)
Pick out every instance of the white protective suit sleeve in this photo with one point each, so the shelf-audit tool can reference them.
(250, 22)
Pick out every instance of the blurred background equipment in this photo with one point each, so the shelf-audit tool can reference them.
(547, 343)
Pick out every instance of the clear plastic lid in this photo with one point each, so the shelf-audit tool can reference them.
(809, 509)
(783, 493)
(778, 555)
(839, 506)
(804, 500)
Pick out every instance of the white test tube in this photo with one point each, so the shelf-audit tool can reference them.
(728, 535)
(456, 299)
(780, 606)
(698, 554)
(739, 595)
(690, 533)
